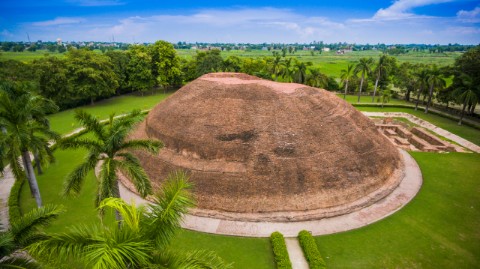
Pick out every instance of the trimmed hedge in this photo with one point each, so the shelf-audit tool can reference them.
(280, 252)
(14, 212)
(310, 249)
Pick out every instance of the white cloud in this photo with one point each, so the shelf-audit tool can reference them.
(472, 16)
(463, 30)
(58, 21)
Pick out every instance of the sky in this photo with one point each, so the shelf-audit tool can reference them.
(139, 21)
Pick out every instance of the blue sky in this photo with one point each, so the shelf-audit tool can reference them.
(352, 21)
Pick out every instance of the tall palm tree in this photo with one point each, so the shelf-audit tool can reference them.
(300, 71)
(421, 81)
(109, 148)
(25, 129)
(466, 93)
(316, 78)
(140, 241)
(346, 75)
(364, 66)
(24, 232)
(275, 65)
(435, 81)
(382, 67)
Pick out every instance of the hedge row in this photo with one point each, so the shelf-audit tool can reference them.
(280, 252)
(14, 212)
(310, 249)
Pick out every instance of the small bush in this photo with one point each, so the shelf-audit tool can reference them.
(280, 252)
(310, 249)
(13, 200)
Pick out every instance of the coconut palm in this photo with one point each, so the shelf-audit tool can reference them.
(22, 233)
(275, 65)
(435, 81)
(383, 65)
(346, 75)
(109, 150)
(300, 71)
(421, 77)
(316, 78)
(25, 129)
(140, 241)
(286, 70)
(466, 93)
(364, 66)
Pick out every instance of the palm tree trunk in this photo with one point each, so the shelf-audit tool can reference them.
(38, 165)
(361, 85)
(375, 89)
(463, 112)
(430, 93)
(346, 88)
(32, 180)
(116, 194)
(418, 99)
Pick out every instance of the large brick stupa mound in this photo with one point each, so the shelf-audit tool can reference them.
(263, 150)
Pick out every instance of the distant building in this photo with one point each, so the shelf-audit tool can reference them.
(326, 49)
(59, 41)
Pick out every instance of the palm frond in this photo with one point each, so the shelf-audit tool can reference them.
(152, 146)
(73, 182)
(171, 203)
(131, 167)
(25, 229)
(190, 260)
(74, 143)
(90, 123)
(7, 245)
(131, 214)
(18, 263)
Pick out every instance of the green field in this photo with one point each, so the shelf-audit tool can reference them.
(27, 56)
(438, 229)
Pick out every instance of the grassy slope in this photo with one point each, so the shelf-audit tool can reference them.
(438, 229)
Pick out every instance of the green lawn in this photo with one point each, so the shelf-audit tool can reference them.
(64, 122)
(368, 99)
(27, 56)
(438, 229)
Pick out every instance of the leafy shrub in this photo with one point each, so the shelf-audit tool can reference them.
(280, 252)
(13, 204)
(310, 249)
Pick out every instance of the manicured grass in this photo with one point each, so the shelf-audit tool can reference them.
(64, 122)
(368, 99)
(438, 229)
(244, 252)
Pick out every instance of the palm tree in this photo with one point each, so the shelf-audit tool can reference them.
(276, 63)
(346, 75)
(24, 232)
(386, 96)
(364, 66)
(25, 129)
(140, 241)
(421, 81)
(286, 70)
(435, 81)
(109, 149)
(317, 79)
(466, 93)
(300, 71)
(382, 68)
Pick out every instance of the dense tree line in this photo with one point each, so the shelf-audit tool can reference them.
(84, 76)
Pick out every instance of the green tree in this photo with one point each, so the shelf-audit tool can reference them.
(287, 70)
(120, 61)
(317, 79)
(139, 72)
(276, 66)
(467, 93)
(23, 233)
(421, 81)
(109, 148)
(53, 82)
(91, 74)
(208, 62)
(25, 129)
(385, 96)
(346, 75)
(300, 71)
(468, 64)
(383, 67)
(364, 66)
(165, 64)
(232, 64)
(435, 81)
(141, 240)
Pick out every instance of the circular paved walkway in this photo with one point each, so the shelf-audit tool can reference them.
(405, 192)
